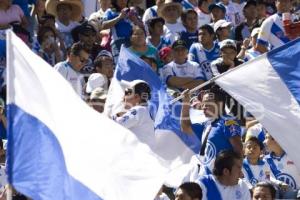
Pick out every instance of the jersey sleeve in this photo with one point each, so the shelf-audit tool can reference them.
(129, 119)
(192, 56)
(61, 69)
(232, 128)
(198, 130)
(264, 34)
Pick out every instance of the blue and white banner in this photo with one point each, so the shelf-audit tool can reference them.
(171, 144)
(59, 148)
(269, 88)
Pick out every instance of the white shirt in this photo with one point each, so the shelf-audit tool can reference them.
(73, 77)
(189, 69)
(234, 13)
(203, 18)
(171, 31)
(138, 120)
(237, 192)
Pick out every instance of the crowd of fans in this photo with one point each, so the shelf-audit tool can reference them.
(186, 43)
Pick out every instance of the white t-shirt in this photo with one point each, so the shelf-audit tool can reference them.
(172, 31)
(237, 192)
(189, 69)
(138, 120)
(234, 13)
(203, 18)
(73, 77)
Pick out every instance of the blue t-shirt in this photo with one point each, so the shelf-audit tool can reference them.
(122, 29)
(220, 131)
(24, 5)
(189, 38)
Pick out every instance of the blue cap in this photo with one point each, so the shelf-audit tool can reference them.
(217, 5)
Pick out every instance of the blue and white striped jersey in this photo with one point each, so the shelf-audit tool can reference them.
(272, 32)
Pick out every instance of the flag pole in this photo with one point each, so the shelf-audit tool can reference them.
(214, 78)
(9, 192)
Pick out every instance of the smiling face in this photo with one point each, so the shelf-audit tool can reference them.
(252, 150)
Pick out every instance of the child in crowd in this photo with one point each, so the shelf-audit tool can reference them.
(156, 31)
(189, 20)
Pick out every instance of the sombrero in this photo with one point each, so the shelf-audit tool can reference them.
(77, 7)
(168, 3)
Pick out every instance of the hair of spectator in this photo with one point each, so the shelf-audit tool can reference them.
(144, 91)
(135, 27)
(266, 185)
(192, 189)
(115, 5)
(208, 28)
(42, 31)
(77, 47)
(255, 140)
(185, 13)
(225, 160)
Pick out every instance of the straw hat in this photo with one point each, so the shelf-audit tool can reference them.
(77, 7)
(168, 3)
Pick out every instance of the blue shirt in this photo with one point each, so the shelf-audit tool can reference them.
(189, 38)
(163, 43)
(24, 5)
(122, 29)
(219, 133)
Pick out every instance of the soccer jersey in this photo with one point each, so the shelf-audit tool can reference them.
(218, 133)
(122, 29)
(255, 173)
(163, 43)
(189, 69)
(189, 38)
(272, 32)
(150, 13)
(204, 57)
(251, 54)
(138, 120)
(284, 169)
(73, 77)
(187, 5)
(213, 189)
(234, 13)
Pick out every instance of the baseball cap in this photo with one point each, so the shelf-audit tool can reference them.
(179, 44)
(139, 87)
(221, 24)
(95, 80)
(98, 93)
(217, 5)
(228, 43)
(104, 53)
(255, 31)
(164, 52)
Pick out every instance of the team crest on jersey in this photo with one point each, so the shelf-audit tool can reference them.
(210, 152)
(288, 179)
(238, 194)
(253, 181)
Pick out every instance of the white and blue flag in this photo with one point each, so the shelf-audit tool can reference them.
(59, 148)
(269, 88)
(170, 142)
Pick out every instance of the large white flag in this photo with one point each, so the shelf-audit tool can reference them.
(59, 148)
(269, 88)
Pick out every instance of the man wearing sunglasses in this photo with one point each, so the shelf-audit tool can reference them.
(137, 117)
(70, 68)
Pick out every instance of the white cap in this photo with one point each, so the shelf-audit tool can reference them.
(96, 80)
(255, 31)
(131, 84)
(221, 24)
